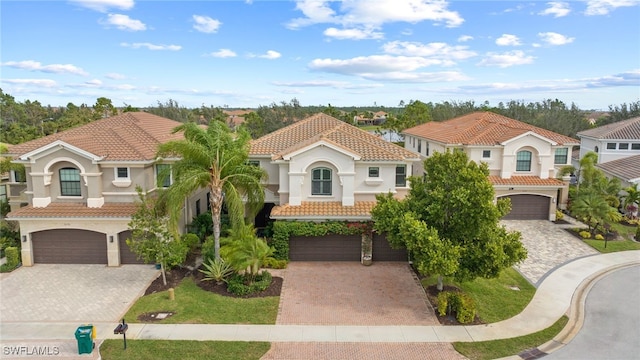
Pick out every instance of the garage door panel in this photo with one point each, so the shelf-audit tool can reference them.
(324, 248)
(69, 246)
(528, 207)
(382, 251)
(126, 255)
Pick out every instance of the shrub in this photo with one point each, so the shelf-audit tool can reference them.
(599, 237)
(13, 257)
(459, 303)
(443, 303)
(238, 284)
(191, 241)
(585, 234)
(638, 233)
(273, 263)
(559, 215)
(217, 270)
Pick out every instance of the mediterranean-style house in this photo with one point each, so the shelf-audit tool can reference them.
(81, 188)
(618, 149)
(523, 160)
(321, 168)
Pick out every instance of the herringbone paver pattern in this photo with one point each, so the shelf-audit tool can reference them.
(350, 351)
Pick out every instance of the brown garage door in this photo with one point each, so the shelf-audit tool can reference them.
(325, 248)
(69, 246)
(528, 207)
(126, 255)
(382, 251)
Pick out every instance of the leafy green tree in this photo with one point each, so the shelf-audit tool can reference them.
(151, 240)
(415, 113)
(246, 252)
(456, 199)
(104, 108)
(255, 125)
(215, 159)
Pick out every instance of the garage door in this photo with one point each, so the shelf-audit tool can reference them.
(325, 248)
(126, 255)
(528, 207)
(382, 251)
(69, 246)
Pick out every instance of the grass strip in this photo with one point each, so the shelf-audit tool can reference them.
(183, 349)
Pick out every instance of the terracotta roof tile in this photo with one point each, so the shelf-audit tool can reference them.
(324, 127)
(324, 210)
(621, 130)
(627, 168)
(75, 210)
(131, 136)
(525, 181)
(481, 128)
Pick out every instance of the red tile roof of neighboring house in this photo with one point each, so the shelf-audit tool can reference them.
(131, 136)
(74, 210)
(621, 130)
(327, 209)
(482, 128)
(627, 168)
(324, 127)
(525, 181)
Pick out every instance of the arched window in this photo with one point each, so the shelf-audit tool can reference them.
(523, 161)
(321, 181)
(70, 182)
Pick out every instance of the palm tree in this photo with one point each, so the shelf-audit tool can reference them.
(217, 159)
(631, 199)
(594, 209)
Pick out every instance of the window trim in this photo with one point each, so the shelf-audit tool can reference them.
(62, 182)
(635, 146)
(486, 152)
(626, 146)
(170, 178)
(611, 146)
(565, 156)
(524, 161)
(116, 171)
(419, 146)
(402, 183)
(376, 170)
(322, 182)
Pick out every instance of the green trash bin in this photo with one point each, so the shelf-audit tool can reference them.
(85, 339)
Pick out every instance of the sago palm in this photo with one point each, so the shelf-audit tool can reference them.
(216, 159)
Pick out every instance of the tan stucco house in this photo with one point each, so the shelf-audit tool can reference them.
(321, 168)
(80, 188)
(523, 160)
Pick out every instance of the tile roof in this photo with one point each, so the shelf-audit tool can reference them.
(525, 181)
(131, 136)
(621, 130)
(324, 210)
(74, 210)
(482, 128)
(627, 168)
(324, 127)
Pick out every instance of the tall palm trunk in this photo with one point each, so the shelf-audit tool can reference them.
(216, 200)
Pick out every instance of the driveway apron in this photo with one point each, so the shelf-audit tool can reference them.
(80, 293)
(347, 293)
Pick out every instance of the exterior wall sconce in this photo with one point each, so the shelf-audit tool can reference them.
(24, 238)
(110, 238)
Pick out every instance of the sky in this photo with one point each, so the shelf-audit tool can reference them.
(244, 54)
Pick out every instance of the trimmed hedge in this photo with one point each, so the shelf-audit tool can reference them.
(459, 303)
(236, 284)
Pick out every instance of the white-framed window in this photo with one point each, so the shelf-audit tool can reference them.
(523, 160)
(401, 175)
(163, 175)
(419, 146)
(321, 181)
(70, 182)
(426, 148)
(254, 163)
(374, 172)
(635, 146)
(623, 146)
(561, 156)
(486, 154)
(18, 176)
(122, 173)
(3, 193)
(611, 146)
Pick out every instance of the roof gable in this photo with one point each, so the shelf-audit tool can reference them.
(621, 130)
(54, 146)
(482, 128)
(321, 142)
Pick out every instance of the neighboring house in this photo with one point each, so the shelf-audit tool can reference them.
(627, 170)
(321, 168)
(523, 160)
(81, 188)
(235, 118)
(378, 118)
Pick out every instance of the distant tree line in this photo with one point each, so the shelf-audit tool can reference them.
(28, 120)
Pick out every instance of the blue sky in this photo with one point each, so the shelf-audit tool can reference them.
(346, 53)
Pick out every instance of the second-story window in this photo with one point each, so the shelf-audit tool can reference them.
(122, 173)
(321, 181)
(401, 175)
(70, 182)
(611, 146)
(374, 172)
(163, 175)
(254, 163)
(486, 154)
(561, 156)
(419, 146)
(523, 161)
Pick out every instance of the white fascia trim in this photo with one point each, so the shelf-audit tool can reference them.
(136, 163)
(527, 134)
(321, 218)
(528, 187)
(62, 145)
(355, 156)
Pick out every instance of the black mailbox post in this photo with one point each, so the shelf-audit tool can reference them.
(122, 329)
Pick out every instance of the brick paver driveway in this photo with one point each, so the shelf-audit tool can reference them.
(82, 293)
(348, 293)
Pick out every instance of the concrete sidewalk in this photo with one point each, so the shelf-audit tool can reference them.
(552, 300)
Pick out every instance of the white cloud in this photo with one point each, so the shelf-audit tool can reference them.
(93, 83)
(35, 82)
(557, 9)
(353, 34)
(372, 64)
(417, 77)
(552, 38)
(271, 55)
(150, 46)
(31, 65)
(124, 22)
(105, 5)
(206, 24)
(325, 83)
(115, 76)
(508, 40)
(435, 50)
(355, 13)
(465, 38)
(506, 59)
(223, 53)
(603, 7)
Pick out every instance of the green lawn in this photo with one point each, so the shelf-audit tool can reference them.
(193, 305)
(179, 349)
(485, 350)
(495, 298)
(613, 246)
